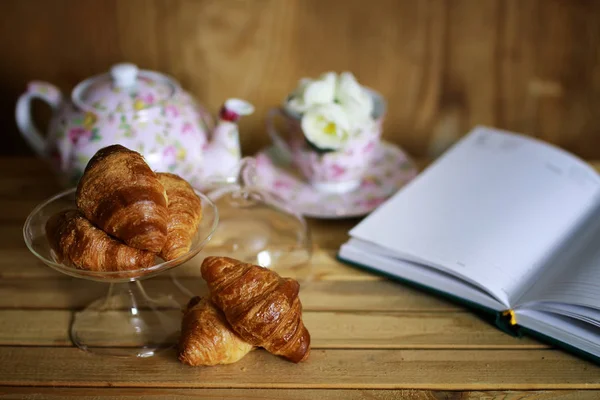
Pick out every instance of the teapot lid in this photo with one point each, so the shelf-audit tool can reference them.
(124, 89)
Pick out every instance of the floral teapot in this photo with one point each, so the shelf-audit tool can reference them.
(142, 110)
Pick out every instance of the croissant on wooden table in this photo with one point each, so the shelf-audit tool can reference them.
(120, 194)
(79, 243)
(262, 307)
(185, 213)
(206, 337)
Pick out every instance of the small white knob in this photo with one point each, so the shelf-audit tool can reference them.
(238, 106)
(124, 75)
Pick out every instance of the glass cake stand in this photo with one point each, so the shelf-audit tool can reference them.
(129, 320)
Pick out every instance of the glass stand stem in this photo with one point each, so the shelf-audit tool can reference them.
(128, 321)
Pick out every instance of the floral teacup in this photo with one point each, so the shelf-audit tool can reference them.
(330, 147)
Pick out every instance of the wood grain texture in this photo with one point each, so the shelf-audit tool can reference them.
(329, 330)
(368, 333)
(348, 369)
(13, 393)
(72, 293)
(444, 66)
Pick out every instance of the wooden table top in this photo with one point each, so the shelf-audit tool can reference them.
(371, 338)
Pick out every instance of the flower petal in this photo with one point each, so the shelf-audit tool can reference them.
(319, 92)
(326, 126)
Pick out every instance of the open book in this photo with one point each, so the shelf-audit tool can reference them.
(505, 223)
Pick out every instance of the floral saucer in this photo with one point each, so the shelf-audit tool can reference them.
(389, 171)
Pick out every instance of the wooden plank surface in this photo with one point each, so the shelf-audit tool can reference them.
(73, 293)
(349, 369)
(14, 393)
(329, 330)
(367, 333)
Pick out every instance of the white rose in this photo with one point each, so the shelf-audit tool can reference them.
(313, 92)
(355, 99)
(321, 91)
(295, 102)
(326, 126)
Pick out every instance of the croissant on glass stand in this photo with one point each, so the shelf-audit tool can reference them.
(120, 194)
(79, 243)
(185, 213)
(206, 337)
(261, 307)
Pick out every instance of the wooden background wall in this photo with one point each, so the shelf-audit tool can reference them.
(444, 65)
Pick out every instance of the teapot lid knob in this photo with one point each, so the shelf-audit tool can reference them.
(124, 75)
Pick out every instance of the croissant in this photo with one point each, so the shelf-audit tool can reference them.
(262, 307)
(122, 196)
(206, 337)
(185, 213)
(79, 243)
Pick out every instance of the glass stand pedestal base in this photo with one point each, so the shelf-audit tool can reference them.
(127, 322)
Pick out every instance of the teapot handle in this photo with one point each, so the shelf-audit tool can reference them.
(36, 90)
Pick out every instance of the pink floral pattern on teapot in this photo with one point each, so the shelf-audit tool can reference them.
(141, 110)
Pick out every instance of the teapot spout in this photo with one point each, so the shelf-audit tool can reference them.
(224, 152)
